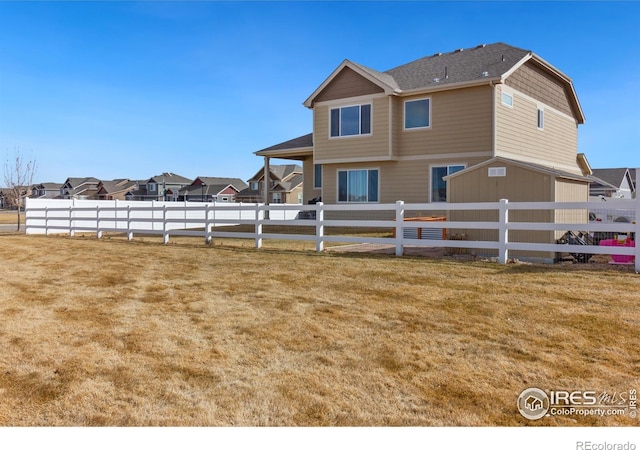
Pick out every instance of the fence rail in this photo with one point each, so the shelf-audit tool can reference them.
(215, 220)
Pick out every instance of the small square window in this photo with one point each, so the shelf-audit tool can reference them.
(417, 113)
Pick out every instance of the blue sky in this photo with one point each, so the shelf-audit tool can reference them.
(132, 89)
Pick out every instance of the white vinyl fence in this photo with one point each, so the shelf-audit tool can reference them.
(206, 219)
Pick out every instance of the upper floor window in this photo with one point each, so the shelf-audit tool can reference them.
(507, 99)
(152, 187)
(317, 176)
(351, 120)
(417, 113)
(358, 185)
(255, 185)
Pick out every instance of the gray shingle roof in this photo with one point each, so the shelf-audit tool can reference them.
(463, 65)
(614, 176)
(299, 142)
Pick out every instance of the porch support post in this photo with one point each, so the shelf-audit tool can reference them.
(266, 180)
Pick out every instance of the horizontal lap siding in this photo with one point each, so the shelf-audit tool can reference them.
(519, 185)
(347, 84)
(374, 146)
(461, 121)
(308, 171)
(518, 136)
(571, 191)
(533, 81)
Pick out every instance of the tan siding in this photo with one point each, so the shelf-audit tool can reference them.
(461, 121)
(519, 184)
(571, 191)
(532, 80)
(347, 84)
(518, 136)
(309, 192)
(372, 147)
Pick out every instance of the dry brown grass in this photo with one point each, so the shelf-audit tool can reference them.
(10, 217)
(124, 333)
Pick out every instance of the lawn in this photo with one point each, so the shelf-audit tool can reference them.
(118, 333)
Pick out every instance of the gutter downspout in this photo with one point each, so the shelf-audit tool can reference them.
(494, 119)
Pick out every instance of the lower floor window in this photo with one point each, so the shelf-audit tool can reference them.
(438, 185)
(277, 198)
(358, 185)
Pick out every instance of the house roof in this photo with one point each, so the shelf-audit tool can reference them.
(483, 64)
(290, 184)
(278, 171)
(50, 186)
(297, 146)
(527, 165)
(458, 66)
(237, 183)
(213, 186)
(615, 176)
(169, 178)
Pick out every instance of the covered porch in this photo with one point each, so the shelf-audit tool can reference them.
(297, 149)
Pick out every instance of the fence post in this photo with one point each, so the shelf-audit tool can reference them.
(207, 236)
(637, 223)
(98, 232)
(72, 210)
(503, 232)
(259, 220)
(72, 232)
(399, 227)
(165, 234)
(319, 227)
(129, 232)
(46, 221)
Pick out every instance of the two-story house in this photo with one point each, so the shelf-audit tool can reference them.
(471, 125)
(212, 189)
(163, 187)
(46, 190)
(402, 134)
(285, 185)
(79, 188)
(114, 189)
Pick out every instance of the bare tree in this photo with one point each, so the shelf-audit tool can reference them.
(18, 177)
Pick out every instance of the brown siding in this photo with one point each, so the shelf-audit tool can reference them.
(347, 84)
(461, 121)
(372, 147)
(518, 136)
(532, 80)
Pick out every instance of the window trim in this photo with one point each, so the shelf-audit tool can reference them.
(447, 165)
(404, 114)
(360, 133)
(356, 169)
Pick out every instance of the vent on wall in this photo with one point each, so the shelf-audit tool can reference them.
(497, 171)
